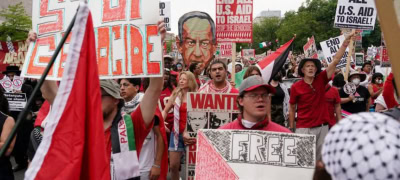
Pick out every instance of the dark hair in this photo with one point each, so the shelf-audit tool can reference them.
(251, 69)
(317, 63)
(193, 66)
(376, 75)
(195, 14)
(338, 81)
(170, 83)
(133, 81)
(366, 63)
(218, 62)
(4, 104)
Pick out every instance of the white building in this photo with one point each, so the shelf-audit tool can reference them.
(266, 14)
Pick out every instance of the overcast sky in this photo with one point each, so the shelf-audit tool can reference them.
(180, 7)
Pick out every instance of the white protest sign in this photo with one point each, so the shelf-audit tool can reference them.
(165, 12)
(17, 83)
(207, 111)
(310, 49)
(7, 84)
(251, 154)
(17, 101)
(355, 14)
(331, 46)
(127, 39)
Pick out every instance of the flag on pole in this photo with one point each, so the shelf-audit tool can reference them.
(272, 64)
(263, 45)
(73, 145)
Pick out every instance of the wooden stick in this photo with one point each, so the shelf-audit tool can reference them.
(349, 57)
(233, 62)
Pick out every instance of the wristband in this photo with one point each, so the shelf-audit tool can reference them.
(156, 166)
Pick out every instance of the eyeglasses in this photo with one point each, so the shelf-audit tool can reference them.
(257, 96)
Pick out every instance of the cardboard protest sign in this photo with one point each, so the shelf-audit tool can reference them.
(355, 14)
(16, 57)
(359, 59)
(207, 111)
(310, 49)
(127, 39)
(165, 11)
(16, 101)
(225, 49)
(331, 46)
(234, 20)
(248, 53)
(250, 154)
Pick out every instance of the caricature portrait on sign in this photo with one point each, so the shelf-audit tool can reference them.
(196, 121)
(196, 38)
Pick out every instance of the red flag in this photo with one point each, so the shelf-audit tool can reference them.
(73, 145)
(273, 63)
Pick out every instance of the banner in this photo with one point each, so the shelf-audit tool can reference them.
(207, 111)
(225, 50)
(250, 154)
(165, 12)
(15, 57)
(310, 49)
(234, 19)
(248, 53)
(16, 101)
(127, 40)
(355, 14)
(331, 46)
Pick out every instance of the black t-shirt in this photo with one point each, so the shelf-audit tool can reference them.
(359, 104)
(279, 95)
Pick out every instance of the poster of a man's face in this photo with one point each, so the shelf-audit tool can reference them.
(196, 121)
(218, 119)
(196, 38)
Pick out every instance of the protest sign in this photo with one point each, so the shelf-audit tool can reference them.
(250, 154)
(331, 46)
(359, 59)
(234, 20)
(310, 49)
(165, 12)
(355, 14)
(127, 40)
(13, 58)
(225, 50)
(248, 53)
(16, 101)
(207, 111)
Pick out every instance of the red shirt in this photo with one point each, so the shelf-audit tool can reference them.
(165, 94)
(140, 131)
(311, 106)
(265, 125)
(332, 98)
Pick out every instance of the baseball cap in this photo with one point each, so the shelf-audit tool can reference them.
(111, 87)
(254, 82)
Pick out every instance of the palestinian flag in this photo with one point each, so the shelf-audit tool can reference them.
(272, 64)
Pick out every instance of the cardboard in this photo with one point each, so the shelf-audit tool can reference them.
(331, 46)
(355, 14)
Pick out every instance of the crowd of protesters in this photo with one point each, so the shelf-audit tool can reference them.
(315, 104)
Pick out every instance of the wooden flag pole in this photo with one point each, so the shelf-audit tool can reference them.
(233, 62)
(346, 75)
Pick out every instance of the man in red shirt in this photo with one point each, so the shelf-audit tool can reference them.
(308, 96)
(332, 100)
(218, 73)
(253, 102)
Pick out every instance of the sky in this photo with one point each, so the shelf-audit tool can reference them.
(180, 7)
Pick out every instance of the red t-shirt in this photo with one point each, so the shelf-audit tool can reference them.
(234, 90)
(165, 94)
(311, 106)
(140, 130)
(270, 126)
(332, 97)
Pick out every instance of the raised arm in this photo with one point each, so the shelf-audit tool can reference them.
(149, 102)
(338, 56)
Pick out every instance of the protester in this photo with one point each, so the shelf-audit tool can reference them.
(279, 101)
(177, 101)
(252, 70)
(359, 101)
(6, 124)
(253, 102)
(238, 67)
(168, 62)
(195, 68)
(375, 88)
(308, 95)
(21, 144)
(165, 95)
(333, 103)
(196, 39)
(178, 67)
(367, 70)
(338, 81)
(129, 89)
(380, 105)
(218, 83)
(389, 94)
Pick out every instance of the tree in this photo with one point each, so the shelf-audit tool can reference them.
(17, 23)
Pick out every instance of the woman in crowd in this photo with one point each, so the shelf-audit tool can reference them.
(195, 68)
(177, 101)
(252, 70)
(6, 124)
(375, 88)
(338, 81)
(279, 101)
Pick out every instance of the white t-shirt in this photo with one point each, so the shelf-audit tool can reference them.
(148, 153)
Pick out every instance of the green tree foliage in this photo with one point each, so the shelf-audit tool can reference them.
(17, 23)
